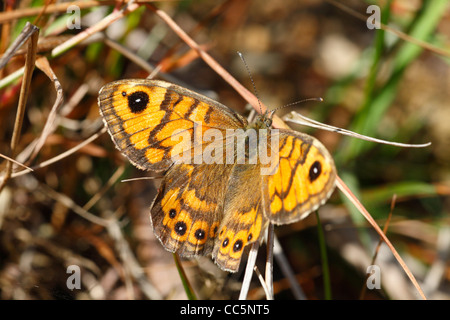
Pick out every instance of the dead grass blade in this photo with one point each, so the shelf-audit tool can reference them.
(377, 249)
(131, 265)
(249, 270)
(267, 291)
(116, 175)
(62, 155)
(23, 37)
(269, 262)
(69, 203)
(283, 263)
(129, 54)
(436, 274)
(60, 8)
(43, 64)
(401, 35)
(77, 39)
(16, 162)
(341, 185)
(67, 255)
(24, 94)
(246, 94)
(99, 26)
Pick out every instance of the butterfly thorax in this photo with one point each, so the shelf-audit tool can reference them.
(262, 121)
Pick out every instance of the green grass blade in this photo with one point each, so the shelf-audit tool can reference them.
(384, 194)
(186, 284)
(368, 119)
(324, 258)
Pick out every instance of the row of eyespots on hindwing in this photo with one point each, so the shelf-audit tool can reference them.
(234, 238)
(190, 235)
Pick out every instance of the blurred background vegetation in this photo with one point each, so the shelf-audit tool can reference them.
(76, 210)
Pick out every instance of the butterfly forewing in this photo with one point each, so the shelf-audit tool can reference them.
(152, 122)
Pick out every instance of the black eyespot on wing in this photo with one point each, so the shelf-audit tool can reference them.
(200, 234)
(225, 242)
(250, 236)
(137, 101)
(314, 171)
(238, 245)
(172, 213)
(180, 228)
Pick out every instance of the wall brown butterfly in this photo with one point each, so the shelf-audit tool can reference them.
(212, 208)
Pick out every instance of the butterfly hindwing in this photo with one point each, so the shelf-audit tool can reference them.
(302, 180)
(243, 222)
(188, 209)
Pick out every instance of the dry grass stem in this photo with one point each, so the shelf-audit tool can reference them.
(401, 35)
(249, 269)
(341, 185)
(62, 155)
(246, 94)
(380, 242)
(24, 93)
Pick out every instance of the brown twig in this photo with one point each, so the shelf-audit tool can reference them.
(246, 94)
(61, 8)
(50, 125)
(343, 187)
(111, 181)
(75, 40)
(101, 25)
(377, 249)
(24, 93)
(401, 35)
(22, 38)
(62, 155)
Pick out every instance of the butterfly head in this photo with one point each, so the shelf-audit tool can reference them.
(264, 121)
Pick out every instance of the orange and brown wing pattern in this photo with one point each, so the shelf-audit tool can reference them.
(148, 120)
(304, 178)
(243, 222)
(188, 209)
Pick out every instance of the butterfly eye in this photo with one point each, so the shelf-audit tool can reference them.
(314, 171)
(137, 101)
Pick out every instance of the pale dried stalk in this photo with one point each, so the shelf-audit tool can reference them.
(24, 93)
(342, 186)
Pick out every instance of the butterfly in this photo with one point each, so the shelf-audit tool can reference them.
(213, 207)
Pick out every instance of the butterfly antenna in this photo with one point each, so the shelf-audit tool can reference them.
(298, 102)
(251, 79)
